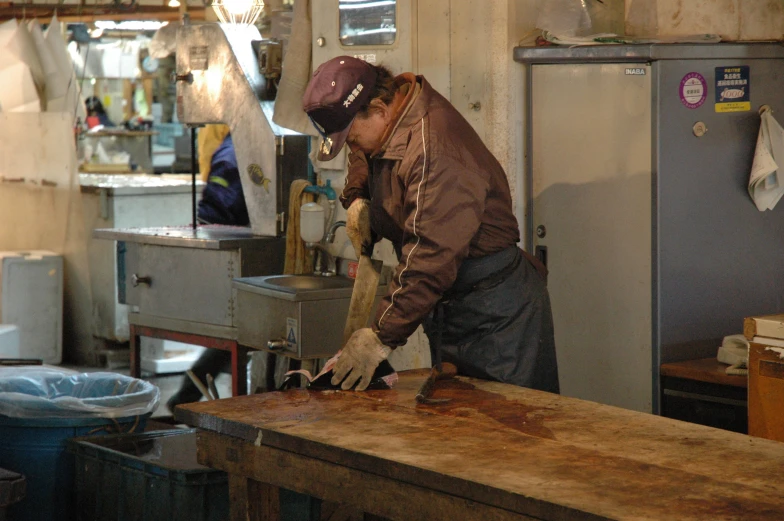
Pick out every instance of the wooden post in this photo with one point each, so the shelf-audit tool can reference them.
(253, 501)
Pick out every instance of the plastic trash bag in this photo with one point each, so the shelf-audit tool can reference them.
(564, 17)
(48, 393)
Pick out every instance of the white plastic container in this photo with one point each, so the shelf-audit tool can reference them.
(9, 341)
(311, 225)
(160, 356)
(31, 297)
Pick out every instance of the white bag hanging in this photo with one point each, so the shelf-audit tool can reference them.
(766, 184)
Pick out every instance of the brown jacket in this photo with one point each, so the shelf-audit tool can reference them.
(439, 195)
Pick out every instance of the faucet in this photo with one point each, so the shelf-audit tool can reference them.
(325, 190)
(330, 237)
(321, 248)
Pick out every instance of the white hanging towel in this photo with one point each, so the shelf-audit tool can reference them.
(766, 183)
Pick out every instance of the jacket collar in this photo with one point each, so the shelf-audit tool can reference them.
(414, 110)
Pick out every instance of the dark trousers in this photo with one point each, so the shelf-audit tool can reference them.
(211, 361)
(500, 329)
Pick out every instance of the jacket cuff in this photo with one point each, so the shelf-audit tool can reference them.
(390, 341)
(350, 195)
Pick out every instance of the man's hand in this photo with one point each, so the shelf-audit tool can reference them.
(358, 225)
(360, 357)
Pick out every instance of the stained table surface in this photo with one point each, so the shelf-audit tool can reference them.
(534, 453)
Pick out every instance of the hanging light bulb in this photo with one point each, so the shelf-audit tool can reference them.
(238, 7)
(174, 3)
(239, 12)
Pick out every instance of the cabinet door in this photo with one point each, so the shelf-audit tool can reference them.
(182, 283)
(720, 258)
(591, 215)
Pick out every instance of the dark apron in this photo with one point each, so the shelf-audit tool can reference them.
(496, 322)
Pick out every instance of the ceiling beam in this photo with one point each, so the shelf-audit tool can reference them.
(89, 13)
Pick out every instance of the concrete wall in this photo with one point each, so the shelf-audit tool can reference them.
(483, 36)
(731, 19)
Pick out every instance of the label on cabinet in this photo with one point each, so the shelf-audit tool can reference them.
(733, 89)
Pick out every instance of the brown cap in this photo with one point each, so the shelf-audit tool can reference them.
(338, 89)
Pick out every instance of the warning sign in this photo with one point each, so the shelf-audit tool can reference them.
(291, 333)
(733, 89)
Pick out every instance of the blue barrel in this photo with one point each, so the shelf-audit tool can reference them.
(36, 448)
(41, 408)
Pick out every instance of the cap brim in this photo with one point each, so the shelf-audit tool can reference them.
(333, 144)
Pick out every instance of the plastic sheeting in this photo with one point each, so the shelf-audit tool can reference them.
(50, 393)
(19, 93)
(20, 69)
(164, 41)
(296, 74)
(67, 98)
(564, 17)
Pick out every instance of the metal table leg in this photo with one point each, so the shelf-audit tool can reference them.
(136, 362)
(239, 369)
(239, 354)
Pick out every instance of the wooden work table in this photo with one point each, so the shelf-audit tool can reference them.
(494, 452)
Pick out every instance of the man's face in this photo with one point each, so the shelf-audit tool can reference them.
(366, 132)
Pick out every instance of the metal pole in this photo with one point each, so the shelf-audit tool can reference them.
(193, 173)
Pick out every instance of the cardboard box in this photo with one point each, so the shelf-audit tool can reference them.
(767, 326)
(766, 391)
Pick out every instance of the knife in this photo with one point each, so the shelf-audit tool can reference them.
(446, 371)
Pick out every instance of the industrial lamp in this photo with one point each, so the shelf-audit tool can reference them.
(239, 12)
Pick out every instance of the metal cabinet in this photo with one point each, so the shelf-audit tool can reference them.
(304, 325)
(185, 274)
(125, 201)
(654, 247)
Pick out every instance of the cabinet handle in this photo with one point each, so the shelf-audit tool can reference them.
(277, 345)
(136, 280)
(541, 253)
(187, 77)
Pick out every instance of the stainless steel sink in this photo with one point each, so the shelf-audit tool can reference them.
(297, 287)
(297, 283)
(300, 315)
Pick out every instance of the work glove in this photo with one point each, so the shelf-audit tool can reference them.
(359, 359)
(358, 225)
